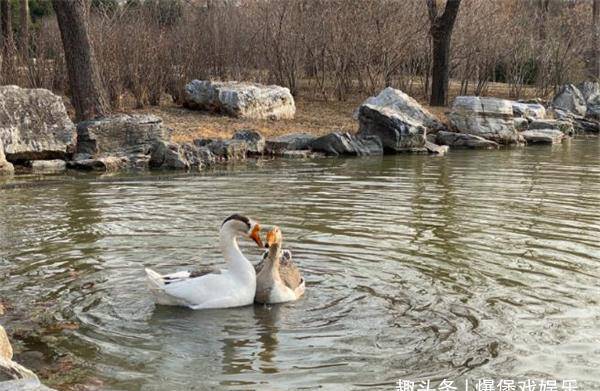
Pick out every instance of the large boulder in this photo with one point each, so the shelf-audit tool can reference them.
(591, 93)
(255, 141)
(121, 134)
(6, 168)
(34, 124)
(490, 118)
(127, 138)
(246, 100)
(338, 143)
(289, 142)
(398, 120)
(570, 99)
(463, 140)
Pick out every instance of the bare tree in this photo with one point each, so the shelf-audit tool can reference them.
(88, 96)
(441, 33)
(596, 38)
(24, 28)
(7, 35)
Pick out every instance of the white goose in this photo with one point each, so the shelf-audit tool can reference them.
(233, 287)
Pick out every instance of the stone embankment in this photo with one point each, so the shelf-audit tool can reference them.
(37, 135)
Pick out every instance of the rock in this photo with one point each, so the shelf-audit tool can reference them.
(564, 126)
(570, 99)
(544, 136)
(120, 135)
(246, 100)
(580, 124)
(104, 164)
(228, 149)
(168, 155)
(34, 124)
(255, 141)
(521, 123)
(396, 101)
(490, 118)
(337, 143)
(398, 120)
(289, 142)
(593, 107)
(47, 166)
(463, 140)
(6, 350)
(301, 154)
(589, 89)
(6, 168)
(436, 149)
(528, 110)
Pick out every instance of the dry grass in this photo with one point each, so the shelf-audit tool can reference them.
(313, 116)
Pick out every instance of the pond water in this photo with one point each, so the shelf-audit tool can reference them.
(480, 264)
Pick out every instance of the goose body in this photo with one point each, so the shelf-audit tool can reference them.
(231, 287)
(278, 279)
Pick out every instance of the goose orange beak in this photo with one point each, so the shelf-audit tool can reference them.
(255, 235)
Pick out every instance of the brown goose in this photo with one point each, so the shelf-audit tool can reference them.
(278, 279)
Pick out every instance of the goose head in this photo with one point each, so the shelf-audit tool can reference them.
(239, 225)
(274, 237)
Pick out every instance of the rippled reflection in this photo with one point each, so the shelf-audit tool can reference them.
(478, 264)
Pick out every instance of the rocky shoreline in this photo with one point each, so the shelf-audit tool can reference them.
(37, 136)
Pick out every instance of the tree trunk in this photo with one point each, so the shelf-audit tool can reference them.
(596, 39)
(88, 96)
(441, 32)
(7, 33)
(24, 27)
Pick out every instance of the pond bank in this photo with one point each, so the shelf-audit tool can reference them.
(391, 122)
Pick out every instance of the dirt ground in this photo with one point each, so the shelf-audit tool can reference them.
(315, 116)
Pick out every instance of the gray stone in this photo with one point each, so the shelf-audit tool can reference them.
(247, 100)
(48, 166)
(338, 143)
(120, 135)
(34, 124)
(543, 136)
(229, 150)
(463, 140)
(289, 142)
(6, 168)
(103, 164)
(593, 107)
(570, 99)
(589, 89)
(528, 110)
(564, 126)
(490, 118)
(404, 106)
(399, 121)
(436, 149)
(255, 141)
(521, 123)
(168, 155)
